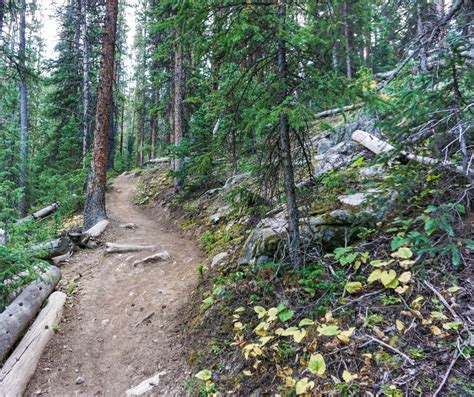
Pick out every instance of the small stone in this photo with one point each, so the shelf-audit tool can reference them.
(79, 380)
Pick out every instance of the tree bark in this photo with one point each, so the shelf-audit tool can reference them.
(111, 139)
(2, 15)
(85, 81)
(19, 314)
(285, 147)
(347, 40)
(23, 204)
(178, 109)
(21, 366)
(94, 209)
(420, 31)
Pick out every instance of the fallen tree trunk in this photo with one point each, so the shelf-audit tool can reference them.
(19, 314)
(160, 160)
(42, 213)
(378, 146)
(96, 230)
(53, 248)
(111, 248)
(18, 370)
(58, 260)
(332, 112)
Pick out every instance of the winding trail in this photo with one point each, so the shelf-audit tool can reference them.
(124, 323)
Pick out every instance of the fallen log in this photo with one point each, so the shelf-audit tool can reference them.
(19, 314)
(160, 160)
(96, 230)
(378, 146)
(111, 248)
(53, 248)
(42, 213)
(18, 370)
(332, 112)
(159, 256)
(58, 260)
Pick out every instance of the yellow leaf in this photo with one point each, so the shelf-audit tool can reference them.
(387, 277)
(303, 386)
(348, 377)
(290, 382)
(205, 374)
(328, 317)
(317, 365)
(401, 290)
(305, 321)
(374, 276)
(379, 263)
(272, 313)
(353, 287)
(344, 336)
(239, 309)
(400, 325)
(435, 330)
(260, 311)
(403, 252)
(406, 263)
(247, 373)
(405, 277)
(328, 330)
(454, 289)
(265, 339)
(438, 315)
(238, 325)
(298, 337)
(452, 325)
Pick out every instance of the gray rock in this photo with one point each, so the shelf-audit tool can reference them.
(233, 180)
(218, 259)
(324, 145)
(372, 171)
(214, 218)
(213, 192)
(80, 380)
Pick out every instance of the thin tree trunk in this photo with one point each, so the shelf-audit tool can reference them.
(122, 111)
(94, 209)
(420, 31)
(285, 148)
(2, 15)
(111, 138)
(347, 40)
(85, 82)
(23, 205)
(178, 108)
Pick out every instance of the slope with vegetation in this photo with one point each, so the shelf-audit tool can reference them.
(321, 152)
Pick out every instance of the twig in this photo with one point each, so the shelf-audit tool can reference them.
(442, 300)
(357, 300)
(393, 349)
(446, 375)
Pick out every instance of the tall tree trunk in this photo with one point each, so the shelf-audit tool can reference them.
(285, 147)
(85, 80)
(2, 15)
(347, 40)
(420, 31)
(178, 108)
(122, 111)
(111, 139)
(94, 209)
(23, 205)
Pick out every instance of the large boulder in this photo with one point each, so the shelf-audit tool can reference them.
(268, 239)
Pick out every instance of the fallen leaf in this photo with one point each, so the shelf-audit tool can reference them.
(260, 311)
(247, 373)
(348, 377)
(205, 374)
(387, 277)
(405, 277)
(303, 386)
(452, 325)
(403, 252)
(353, 287)
(305, 321)
(400, 326)
(317, 365)
(401, 290)
(328, 330)
(454, 289)
(374, 276)
(435, 330)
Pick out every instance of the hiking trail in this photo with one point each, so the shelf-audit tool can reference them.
(124, 323)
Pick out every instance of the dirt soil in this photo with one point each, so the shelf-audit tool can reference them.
(124, 323)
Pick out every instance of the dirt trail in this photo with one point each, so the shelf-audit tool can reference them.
(123, 325)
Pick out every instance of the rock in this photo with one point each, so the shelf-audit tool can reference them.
(80, 380)
(324, 145)
(128, 226)
(145, 386)
(214, 218)
(219, 258)
(353, 200)
(372, 171)
(336, 157)
(233, 180)
(268, 239)
(3, 237)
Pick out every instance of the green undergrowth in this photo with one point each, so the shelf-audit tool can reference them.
(325, 326)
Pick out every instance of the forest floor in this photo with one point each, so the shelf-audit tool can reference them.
(123, 323)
